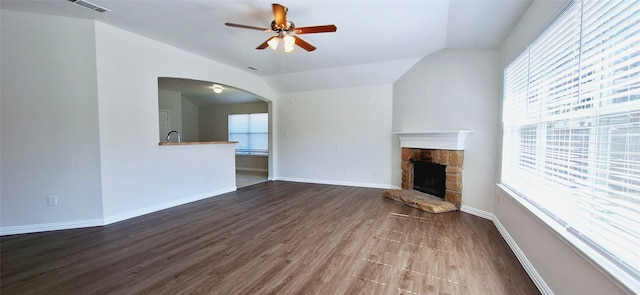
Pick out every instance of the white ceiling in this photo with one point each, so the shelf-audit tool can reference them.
(383, 37)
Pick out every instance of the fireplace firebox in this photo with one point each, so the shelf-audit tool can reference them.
(429, 178)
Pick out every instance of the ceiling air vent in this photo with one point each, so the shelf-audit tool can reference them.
(254, 68)
(89, 5)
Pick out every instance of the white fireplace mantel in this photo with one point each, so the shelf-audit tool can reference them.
(439, 139)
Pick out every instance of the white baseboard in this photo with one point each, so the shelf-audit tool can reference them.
(477, 212)
(42, 227)
(144, 211)
(34, 228)
(526, 264)
(333, 182)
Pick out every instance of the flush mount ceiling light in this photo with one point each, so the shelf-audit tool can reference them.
(217, 88)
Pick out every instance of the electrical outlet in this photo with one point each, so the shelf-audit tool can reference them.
(52, 200)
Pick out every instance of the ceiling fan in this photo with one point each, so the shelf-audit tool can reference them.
(286, 31)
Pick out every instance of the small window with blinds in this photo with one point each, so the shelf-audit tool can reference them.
(571, 127)
(251, 131)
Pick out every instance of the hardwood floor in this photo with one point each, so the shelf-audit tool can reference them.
(271, 238)
(247, 178)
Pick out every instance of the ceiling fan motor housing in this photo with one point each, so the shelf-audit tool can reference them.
(288, 26)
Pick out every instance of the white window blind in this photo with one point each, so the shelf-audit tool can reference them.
(251, 131)
(571, 119)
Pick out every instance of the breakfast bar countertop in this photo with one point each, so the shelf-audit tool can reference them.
(196, 142)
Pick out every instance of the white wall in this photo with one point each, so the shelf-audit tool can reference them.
(171, 101)
(450, 90)
(183, 115)
(79, 119)
(190, 121)
(252, 163)
(137, 174)
(49, 122)
(563, 269)
(337, 136)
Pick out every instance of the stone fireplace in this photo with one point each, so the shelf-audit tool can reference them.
(452, 160)
(434, 147)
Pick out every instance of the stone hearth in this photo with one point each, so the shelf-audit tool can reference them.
(452, 160)
(422, 201)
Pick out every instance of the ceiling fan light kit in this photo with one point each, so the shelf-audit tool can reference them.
(286, 30)
(289, 41)
(273, 42)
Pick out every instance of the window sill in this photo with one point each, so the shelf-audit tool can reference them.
(620, 277)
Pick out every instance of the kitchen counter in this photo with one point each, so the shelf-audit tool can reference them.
(196, 142)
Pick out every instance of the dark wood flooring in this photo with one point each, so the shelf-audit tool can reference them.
(271, 238)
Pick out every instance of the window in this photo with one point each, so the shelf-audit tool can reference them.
(251, 131)
(571, 127)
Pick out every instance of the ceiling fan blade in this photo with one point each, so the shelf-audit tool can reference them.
(316, 29)
(306, 46)
(265, 44)
(280, 15)
(247, 27)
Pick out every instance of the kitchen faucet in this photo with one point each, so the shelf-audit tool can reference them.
(169, 135)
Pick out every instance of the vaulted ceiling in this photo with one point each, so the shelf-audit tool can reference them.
(377, 38)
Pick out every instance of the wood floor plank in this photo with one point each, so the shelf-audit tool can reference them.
(271, 238)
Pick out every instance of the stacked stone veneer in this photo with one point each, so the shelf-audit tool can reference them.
(451, 159)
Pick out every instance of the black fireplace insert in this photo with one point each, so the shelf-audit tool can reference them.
(429, 178)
